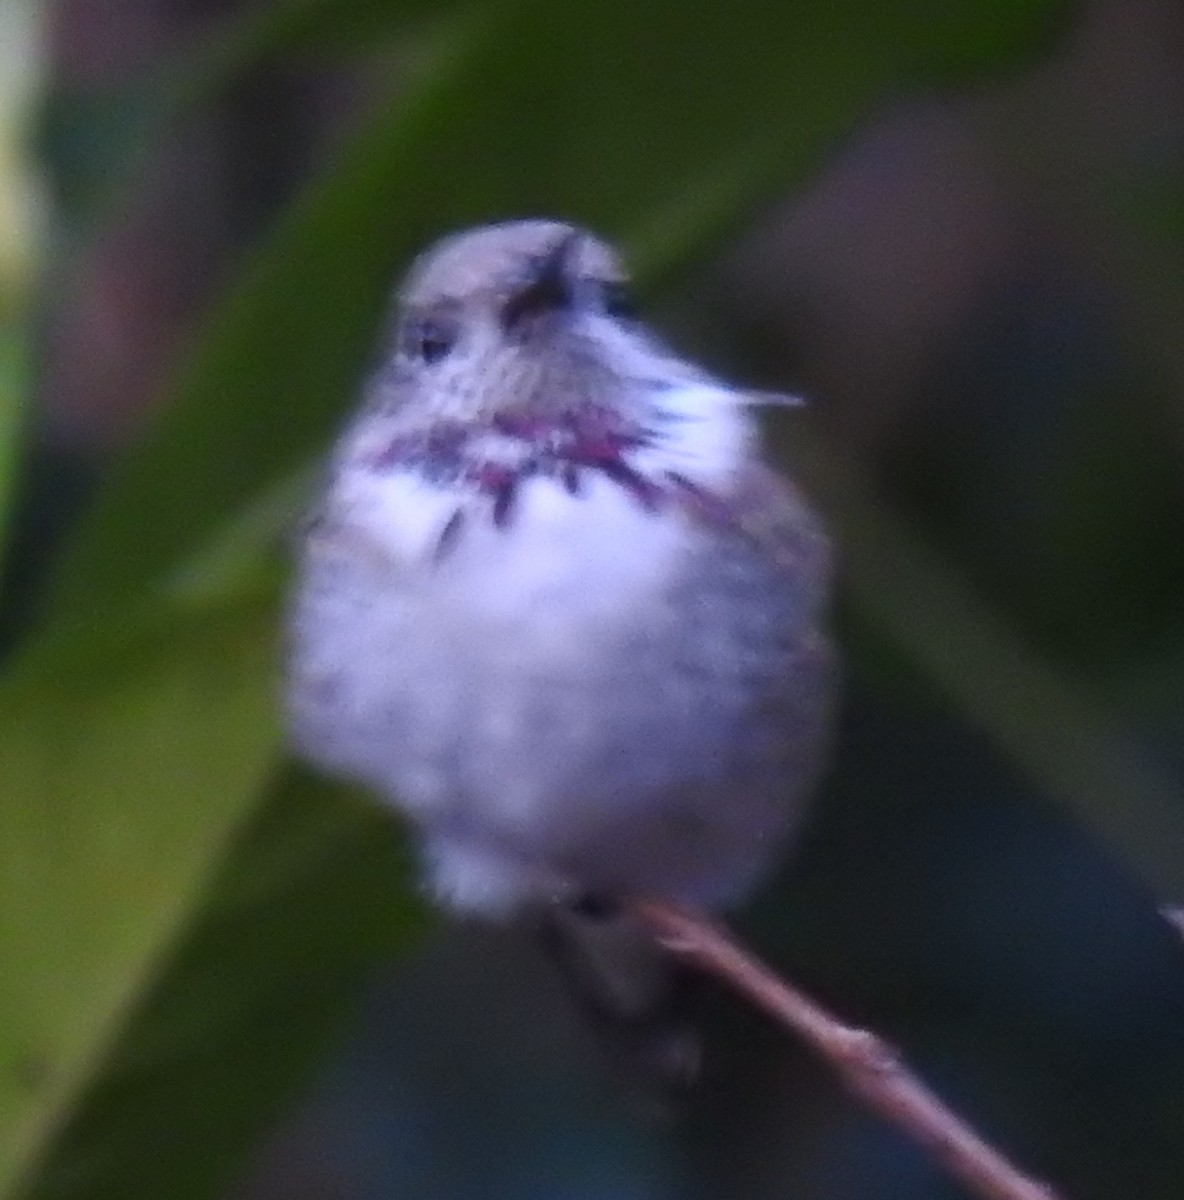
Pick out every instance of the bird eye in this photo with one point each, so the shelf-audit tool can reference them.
(429, 338)
(617, 301)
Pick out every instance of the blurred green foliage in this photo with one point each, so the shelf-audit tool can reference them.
(14, 382)
(167, 886)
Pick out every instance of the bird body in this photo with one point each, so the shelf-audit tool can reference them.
(551, 604)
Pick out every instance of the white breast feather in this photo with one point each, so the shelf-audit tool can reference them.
(513, 602)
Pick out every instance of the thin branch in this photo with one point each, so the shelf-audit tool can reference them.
(868, 1066)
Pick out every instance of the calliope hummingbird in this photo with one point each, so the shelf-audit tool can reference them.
(554, 607)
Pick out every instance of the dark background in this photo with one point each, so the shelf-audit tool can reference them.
(965, 245)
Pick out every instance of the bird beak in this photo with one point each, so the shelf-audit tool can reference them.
(548, 290)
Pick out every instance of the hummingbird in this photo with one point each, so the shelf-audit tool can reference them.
(554, 607)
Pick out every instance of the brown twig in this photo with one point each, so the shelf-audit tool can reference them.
(868, 1066)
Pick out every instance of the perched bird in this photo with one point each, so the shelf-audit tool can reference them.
(554, 607)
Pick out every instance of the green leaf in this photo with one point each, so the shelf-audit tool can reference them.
(128, 759)
(304, 905)
(13, 389)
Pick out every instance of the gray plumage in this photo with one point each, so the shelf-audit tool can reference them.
(552, 606)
